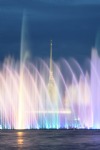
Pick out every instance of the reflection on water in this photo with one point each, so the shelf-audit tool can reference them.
(20, 139)
(50, 139)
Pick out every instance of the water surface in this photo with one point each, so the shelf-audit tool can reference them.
(50, 139)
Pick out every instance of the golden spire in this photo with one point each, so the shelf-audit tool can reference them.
(52, 88)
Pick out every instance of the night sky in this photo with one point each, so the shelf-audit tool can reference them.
(73, 25)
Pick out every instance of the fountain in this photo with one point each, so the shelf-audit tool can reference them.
(48, 95)
(36, 96)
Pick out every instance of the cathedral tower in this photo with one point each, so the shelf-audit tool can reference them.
(52, 89)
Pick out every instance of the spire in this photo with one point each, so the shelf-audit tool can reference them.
(51, 56)
(52, 89)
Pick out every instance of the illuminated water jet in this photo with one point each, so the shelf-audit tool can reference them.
(34, 96)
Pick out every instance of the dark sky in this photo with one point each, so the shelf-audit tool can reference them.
(73, 25)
